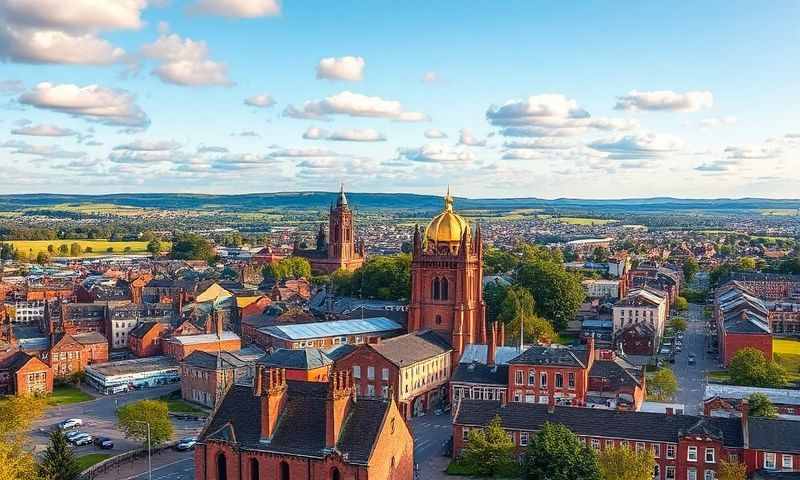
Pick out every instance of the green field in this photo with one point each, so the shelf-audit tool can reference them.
(95, 209)
(177, 405)
(585, 221)
(99, 247)
(65, 394)
(86, 461)
(781, 212)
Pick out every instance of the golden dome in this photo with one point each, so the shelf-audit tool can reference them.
(447, 227)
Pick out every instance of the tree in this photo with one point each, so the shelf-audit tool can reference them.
(16, 415)
(496, 261)
(289, 267)
(58, 462)
(42, 258)
(731, 470)
(189, 246)
(489, 450)
(50, 249)
(154, 412)
(663, 386)
(518, 309)
(75, 249)
(747, 263)
(749, 367)
(385, 277)
(679, 324)
(558, 293)
(63, 250)
(342, 282)
(88, 250)
(600, 255)
(110, 250)
(493, 295)
(761, 406)
(790, 265)
(154, 247)
(624, 463)
(681, 304)
(558, 454)
(690, 268)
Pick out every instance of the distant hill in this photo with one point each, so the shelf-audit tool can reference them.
(404, 201)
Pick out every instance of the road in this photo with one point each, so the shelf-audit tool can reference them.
(692, 378)
(99, 419)
(167, 465)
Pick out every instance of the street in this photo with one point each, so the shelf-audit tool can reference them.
(692, 378)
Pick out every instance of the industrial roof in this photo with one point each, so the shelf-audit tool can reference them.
(204, 338)
(331, 329)
(776, 395)
(137, 365)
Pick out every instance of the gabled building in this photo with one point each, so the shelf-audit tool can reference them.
(742, 321)
(291, 430)
(206, 376)
(644, 305)
(23, 374)
(305, 364)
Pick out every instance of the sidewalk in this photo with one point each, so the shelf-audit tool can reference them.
(167, 465)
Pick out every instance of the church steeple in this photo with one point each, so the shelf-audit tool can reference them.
(342, 200)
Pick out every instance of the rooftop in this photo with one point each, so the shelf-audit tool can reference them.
(331, 329)
(137, 365)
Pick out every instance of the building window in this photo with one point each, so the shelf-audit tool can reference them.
(517, 397)
(769, 461)
(691, 473)
(356, 371)
(656, 472)
(609, 443)
(335, 475)
(733, 458)
(571, 379)
(709, 475)
(464, 433)
(596, 444)
(438, 319)
(639, 447)
(523, 439)
(519, 378)
(670, 473)
(370, 373)
(691, 454)
(656, 450)
(222, 467)
(670, 451)
(385, 391)
(370, 390)
(385, 374)
(559, 380)
(254, 473)
(710, 455)
(444, 289)
(543, 380)
(787, 462)
(436, 289)
(532, 377)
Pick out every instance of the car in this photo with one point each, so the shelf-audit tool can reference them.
(104, 443)
(187, 443)
(665, 351)
(691, 359)
(70, 436)
(70, 423)
(83, 440)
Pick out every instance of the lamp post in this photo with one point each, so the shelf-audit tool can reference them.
(149, 463)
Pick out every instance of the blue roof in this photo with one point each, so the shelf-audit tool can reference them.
(305, 331)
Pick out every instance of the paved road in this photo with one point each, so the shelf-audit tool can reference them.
(99, 419)
(167, 465)
(692, 378)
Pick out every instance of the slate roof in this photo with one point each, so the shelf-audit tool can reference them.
(651, 427)
(619, 372)
(480, 373)
(301, 425)
(412, 347)
(573, 356)
(208, 360)
(775, 475)
(89, 338)
(304, 359)
(775, 435)
(641, 297)
(141, 329)
(747, 321)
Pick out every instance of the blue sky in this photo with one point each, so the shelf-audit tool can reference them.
(546, 99)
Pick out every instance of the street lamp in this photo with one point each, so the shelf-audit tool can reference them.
(149, 464)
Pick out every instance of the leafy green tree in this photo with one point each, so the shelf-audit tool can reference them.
(289, 267)
(58, 462)
(342, 281)
(663, 386)
(88, 250)
(679, 324)
(558, 293)
(518, 309)
(51, 249)
(385, 277)
(556, 453)
(6, 251)
(624, 463)
(154, 247)
(496, 261)
(489, 450)
(690, 268)
(154, 412)
(110, 250)
(790, 265)
(600, 255)
(681, 304)
(42, 258)
(189, 246)
(63, 250)
(75, 249)
(16, 415)
(731, 471)
(750, 367)
(747, 263)
(761, 406)
(493, 295)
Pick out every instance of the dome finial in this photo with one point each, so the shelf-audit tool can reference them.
(448, 200)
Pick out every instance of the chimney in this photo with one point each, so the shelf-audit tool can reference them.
(336, 405)
(745, 409)
(490, 346)
(670, 411)
(270, 386)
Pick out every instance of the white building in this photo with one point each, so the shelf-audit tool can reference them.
(600, 288)
(642, 305)
(120, 376)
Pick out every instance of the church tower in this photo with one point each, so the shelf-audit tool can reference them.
(341, 243)
(447, 281)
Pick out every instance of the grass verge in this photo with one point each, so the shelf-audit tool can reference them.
(86, 461)
(177, 405)
(66, 394)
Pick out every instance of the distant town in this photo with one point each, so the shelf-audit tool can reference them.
(353, 342)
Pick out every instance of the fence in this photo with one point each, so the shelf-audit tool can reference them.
(117, 460)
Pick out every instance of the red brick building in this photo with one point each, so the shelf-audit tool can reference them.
(288, 430)
(205, 376)
(71, 354)
(685, 447)
(145, 338)
(306, 364)
(180, 347)
(23, 374)
(742, 322)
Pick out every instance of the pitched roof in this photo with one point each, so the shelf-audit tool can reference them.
(305, 359)
(619, 372)
(90, 338)
(412, 347)
(572, 356)
(653, 427)
(208, 360)
(481, 373)
(747, 321)
(775, 435)
(301, 424)
(142, 329)
(203, 338)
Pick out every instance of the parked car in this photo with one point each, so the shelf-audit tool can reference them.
(103, 442)
(187, 443)
(691, 359)
(81, 440)
(74, 434)
(70, 423)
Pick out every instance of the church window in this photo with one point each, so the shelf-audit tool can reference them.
(335, 474)
(444, 289)
(222, 467)
(438, 319)
(284, 471)
(254, 473)
(436, 291)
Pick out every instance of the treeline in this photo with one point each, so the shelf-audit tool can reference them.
(385, 277)
(114, 232)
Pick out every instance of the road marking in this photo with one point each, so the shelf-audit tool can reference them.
(132, 477)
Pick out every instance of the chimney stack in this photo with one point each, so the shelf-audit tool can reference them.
(271, 387)
(745, 409)
(340, 388)
(490, 345)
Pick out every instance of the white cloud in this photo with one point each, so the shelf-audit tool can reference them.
(260, 101)
(149, 145)
(44, 130)
(717, 166)
(435, 133)
(42, 151)
(315, 133)
(752, 152)
(241, 161)
(353, 105)
(92, 102)
(545, 143)
(542, 132)
(342, 68)
(302, 153)
(44, 31)
(146, 156)
(430, 77)
(185, 62)
(466, 137)
(245, 133)
(665, 100)
(717, 121)
(357, 135)
(211, 149)
(437, 153)
(238, 8)
(638, 146)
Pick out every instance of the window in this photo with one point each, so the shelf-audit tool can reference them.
(543, 380)
(370, 373)
(464, 433)
(691, 473)
(769, 461)
(523, 439)
(356, 371)
(670, 451)
(559, 380)
(710, 455)
(656, 450)
(436, 289)
(669, 473)
(370, 390)
(222, 467)
(532, 377)
(609, 443)
(335, 475)
(518, 378)
(444, 289)
(787, 462)
(254, 473)
(385, 391)
(517, 397)
(438, 319)
(691, 454)
(385, 374)
(709, 475)
(571, 379)
(639, 447)
(596, 444)
(623, 443)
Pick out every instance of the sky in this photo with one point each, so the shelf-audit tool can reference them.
(493, 98)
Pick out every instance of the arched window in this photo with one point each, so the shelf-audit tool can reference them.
(222, 467)
(436, 289)
(438, 319)
(254, 473)
(284, 471)
(335, 474)
(444, 289)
